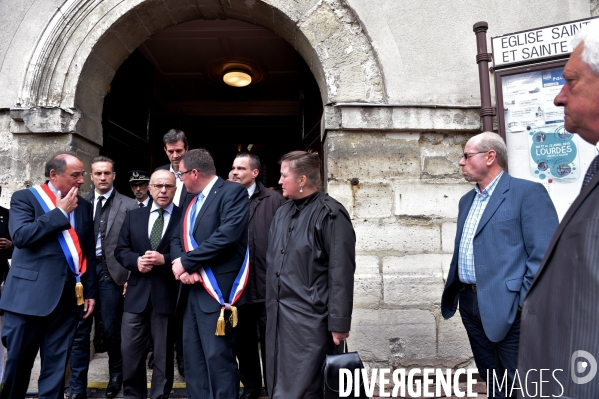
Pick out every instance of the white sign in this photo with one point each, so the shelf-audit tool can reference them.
(537, 44)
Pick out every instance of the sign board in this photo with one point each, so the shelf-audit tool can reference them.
(536, 44)
(540, 149)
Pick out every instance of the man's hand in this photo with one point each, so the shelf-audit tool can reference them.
(191, 278)
(143, 266)
(178, 269)
(125, 288)
(88, 307)
(69, 202)
(339, 337)
(5, 243)
(153, 258)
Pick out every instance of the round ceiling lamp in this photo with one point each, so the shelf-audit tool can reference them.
(237, 78)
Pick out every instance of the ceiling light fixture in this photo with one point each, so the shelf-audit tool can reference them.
(237, 78)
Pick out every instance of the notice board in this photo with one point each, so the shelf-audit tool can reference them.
(539, 148)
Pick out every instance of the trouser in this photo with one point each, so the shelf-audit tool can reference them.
(500, 357)
(210, 366)
(252, 322)
(52, 335)
(138, 329)
(110, 298)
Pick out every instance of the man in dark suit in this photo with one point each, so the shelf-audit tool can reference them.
(39, 297)
(175, 146)
(138, 181)
(213, 234)
(110, 208)
(252, 316)
(560, 316)
(6, 249)
(503, 231)
(151, 298)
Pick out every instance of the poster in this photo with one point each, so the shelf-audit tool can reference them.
(554, 154)
(528, 100)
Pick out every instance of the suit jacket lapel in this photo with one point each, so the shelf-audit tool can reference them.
(207, 201)
(562, 226)
(142, 228)
(503, 186)
(463, 214)
(114, 209)
(78, 219)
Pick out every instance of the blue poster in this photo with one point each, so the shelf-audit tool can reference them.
(554, 154)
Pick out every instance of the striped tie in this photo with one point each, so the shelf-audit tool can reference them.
(593, 167)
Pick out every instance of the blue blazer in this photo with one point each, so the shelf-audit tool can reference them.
(39, 269)
(509, 244)
(221, 231)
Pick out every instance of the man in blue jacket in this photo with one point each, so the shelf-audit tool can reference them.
(504, 227)
(52, 231)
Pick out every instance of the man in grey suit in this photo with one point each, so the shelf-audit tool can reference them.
(503, 231)
(560, 317)
(110, 209)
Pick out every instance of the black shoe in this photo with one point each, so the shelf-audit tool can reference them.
(151, 361)
(181, 366)
(78, 396)
(114, 386)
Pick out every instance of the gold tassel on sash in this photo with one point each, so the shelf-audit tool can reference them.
(220, 324)
(79, 293)
(234, 318)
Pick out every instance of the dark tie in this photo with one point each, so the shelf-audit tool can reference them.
(141, 205)
(593, 167)
(156, 234)
(98, 215)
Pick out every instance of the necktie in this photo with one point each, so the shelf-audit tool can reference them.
(156, 234)
(141, 205)
(198, 204)
(98, 215)
(593, 167)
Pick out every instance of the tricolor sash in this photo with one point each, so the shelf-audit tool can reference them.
(68, 239)
(208, 279)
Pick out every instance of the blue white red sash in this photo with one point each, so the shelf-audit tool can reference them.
(68, 239)
(208, 279)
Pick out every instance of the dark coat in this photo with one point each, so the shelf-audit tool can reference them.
(160, 283)
(263, 206)
(119, 207)
(5, 254)
(39, 268)
(309, 292)
(559, 315)
(221, 233)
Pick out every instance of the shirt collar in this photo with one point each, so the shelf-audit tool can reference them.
(52, 188)
(252, 189)
(168, 209)
(106, 196)
(209, 186)
(488, 191)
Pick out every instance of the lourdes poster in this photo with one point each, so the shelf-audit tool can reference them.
(529, 109)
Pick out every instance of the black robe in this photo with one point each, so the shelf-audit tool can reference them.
(309, 292)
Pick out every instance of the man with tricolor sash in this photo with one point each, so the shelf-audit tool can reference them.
(209, 252)
(47, 285)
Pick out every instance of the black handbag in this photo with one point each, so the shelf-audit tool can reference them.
(330, 372)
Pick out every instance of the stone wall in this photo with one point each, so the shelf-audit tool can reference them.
(404, 211)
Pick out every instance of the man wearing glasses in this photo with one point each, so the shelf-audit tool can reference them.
(144, 249)
(504, 227)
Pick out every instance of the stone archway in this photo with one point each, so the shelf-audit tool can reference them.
(87, 40)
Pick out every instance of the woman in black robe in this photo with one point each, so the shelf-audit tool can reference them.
(309, 281)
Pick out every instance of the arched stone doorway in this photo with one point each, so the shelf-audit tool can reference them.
(87, 40)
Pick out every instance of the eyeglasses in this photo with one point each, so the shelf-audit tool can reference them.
(180, 174)
(467, 156)
(167, 187)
